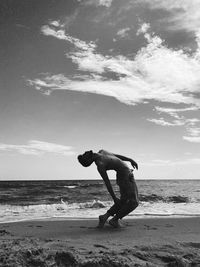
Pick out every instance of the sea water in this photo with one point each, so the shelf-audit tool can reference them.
(27, 200)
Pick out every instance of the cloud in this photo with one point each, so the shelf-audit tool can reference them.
(106, 3)
(193, 131)
(163, 122)
(192, 125)
(169, 162)
(184, 14)
(60, 34)
(174, 112)
(144, 27)
(35, 147)
(123, 32)
(155, 73)
(55, 23)
(192, 139)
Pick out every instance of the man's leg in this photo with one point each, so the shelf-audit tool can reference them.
(115, 208)
(111, 212)
(129, 201)
(128, 206)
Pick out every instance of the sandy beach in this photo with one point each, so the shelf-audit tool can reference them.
(141, 242)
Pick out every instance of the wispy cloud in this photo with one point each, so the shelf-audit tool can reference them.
(55, 23)
(156, 72)
(175, 112)
(184, 14)
(35, 147)
(106, 3)
(193, 131)
(192, 139)
(163, 122)
(59, 33)
(192, 125)
(169, 162)
(144, 27)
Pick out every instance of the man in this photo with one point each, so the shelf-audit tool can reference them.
(128, 201)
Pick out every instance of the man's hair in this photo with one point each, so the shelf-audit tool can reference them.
(86, 159)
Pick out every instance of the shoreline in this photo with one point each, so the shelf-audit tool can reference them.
(135, 217)
(154, 241)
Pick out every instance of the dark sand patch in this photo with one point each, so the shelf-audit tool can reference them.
(4, 232)
(34, 252)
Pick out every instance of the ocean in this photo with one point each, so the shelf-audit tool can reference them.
(28, 200)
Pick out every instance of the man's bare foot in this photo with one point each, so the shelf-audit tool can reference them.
(115, 223)
(102, 221)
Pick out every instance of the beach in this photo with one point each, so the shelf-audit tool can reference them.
(165, 241)
(100, 118)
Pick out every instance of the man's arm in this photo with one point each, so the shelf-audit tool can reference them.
(133, 163)
(105, 177)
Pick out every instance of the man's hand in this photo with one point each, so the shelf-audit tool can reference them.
(134, 164)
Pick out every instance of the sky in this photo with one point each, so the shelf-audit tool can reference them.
(79, 75)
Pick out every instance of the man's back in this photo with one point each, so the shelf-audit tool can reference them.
(110, 161)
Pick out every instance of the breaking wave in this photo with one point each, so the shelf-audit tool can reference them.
(93, 209)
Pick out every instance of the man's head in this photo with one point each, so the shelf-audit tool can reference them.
(86, 159)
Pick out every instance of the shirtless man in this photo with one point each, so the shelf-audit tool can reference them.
(128, 201)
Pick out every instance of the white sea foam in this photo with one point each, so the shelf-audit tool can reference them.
(92, 209)
(70, 186)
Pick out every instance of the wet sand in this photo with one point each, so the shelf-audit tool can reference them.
(72, 242)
